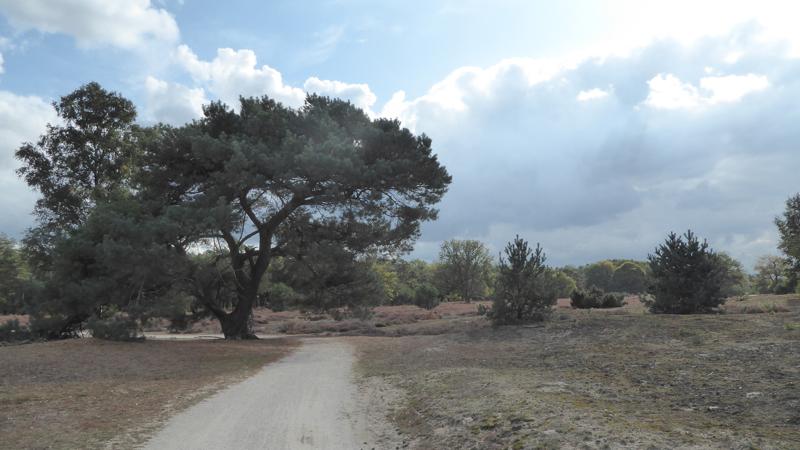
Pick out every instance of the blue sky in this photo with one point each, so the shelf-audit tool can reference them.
(592, 127)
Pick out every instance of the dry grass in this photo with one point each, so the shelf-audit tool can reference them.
(588, 379)
(86, 393)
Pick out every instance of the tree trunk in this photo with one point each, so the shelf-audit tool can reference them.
(238, 324)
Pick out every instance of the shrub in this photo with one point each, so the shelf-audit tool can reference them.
(115, 328)
(687, 276)
(612, 300)
(595, 298)
(522, 293)
(54, 327)
(406, 295)
(12, 331)
(426, 296)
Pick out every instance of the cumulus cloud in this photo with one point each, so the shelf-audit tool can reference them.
(235, 72)
(21, 119)
(172, 103)
(358, 94)
(121, 23)
(668, 92)
(533, 151)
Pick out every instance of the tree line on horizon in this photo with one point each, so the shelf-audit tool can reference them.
(307, 208)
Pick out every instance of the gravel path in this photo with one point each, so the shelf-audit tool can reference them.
(307, 400)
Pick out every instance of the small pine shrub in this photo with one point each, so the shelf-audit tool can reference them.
(115, 328)
(522, 294)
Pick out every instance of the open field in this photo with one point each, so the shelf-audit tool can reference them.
(588, 378)
(597, 379)
(83, 393)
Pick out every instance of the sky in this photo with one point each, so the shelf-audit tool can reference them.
(592, 127)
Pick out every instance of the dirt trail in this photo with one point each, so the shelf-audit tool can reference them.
(307, 400)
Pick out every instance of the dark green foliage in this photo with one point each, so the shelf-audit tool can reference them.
(402, 281)
(76, 163)
(12, 331)
(124, 209)
(522, 293)
(581, 299)
(559, 282)
(789, 230)
(115, 259)
(595, 298)
(115, 328)
(599, 274)
(629, 277)
(612, 300)
(464, 269)
(279, 297)
(774, 275)
(11, 278)
(575, 273)
(268, 179)
(324, 276)
(426, 296)
(687, 276)
(735, 281)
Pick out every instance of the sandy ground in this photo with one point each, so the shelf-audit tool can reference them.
(306, 400)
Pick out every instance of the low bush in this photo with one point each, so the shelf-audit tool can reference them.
(115, 328)
(595, 298)
(612, 300)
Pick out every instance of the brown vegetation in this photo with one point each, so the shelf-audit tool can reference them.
(592, 379)
(86, 393)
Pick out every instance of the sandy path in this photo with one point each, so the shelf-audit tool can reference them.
(306, 400)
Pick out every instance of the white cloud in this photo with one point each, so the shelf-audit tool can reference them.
(591, 94)
(21, 119)
(235, 72)
(359, 94)
(2, 70)
(500, 82)
(172, 103)
(669, 92)
(732, 88)
(613, 179)
(122, 23)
